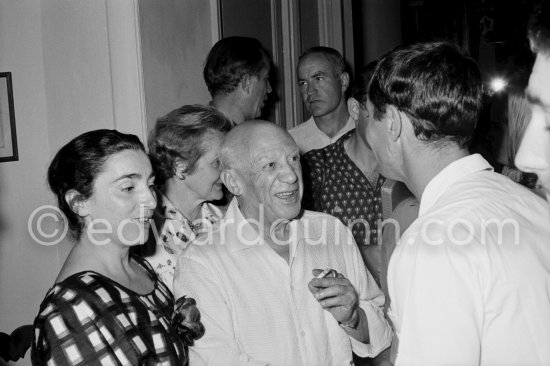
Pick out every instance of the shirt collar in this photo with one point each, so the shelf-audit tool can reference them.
(238, 231)
(448, 176)
(169, 211)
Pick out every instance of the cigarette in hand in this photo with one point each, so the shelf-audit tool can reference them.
(325, 273)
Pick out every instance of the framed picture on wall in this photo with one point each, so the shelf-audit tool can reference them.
(8, 136)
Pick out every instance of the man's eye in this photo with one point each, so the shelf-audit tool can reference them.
(319, 78)
(269, 165)
(302, 84)
(295, 158)
(128, 189)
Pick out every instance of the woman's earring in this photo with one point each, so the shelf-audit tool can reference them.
(181, 177)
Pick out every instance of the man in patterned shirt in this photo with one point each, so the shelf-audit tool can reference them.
(342, 179)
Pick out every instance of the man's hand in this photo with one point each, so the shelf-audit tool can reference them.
(336, 295)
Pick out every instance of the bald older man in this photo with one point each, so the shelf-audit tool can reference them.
(253, 275)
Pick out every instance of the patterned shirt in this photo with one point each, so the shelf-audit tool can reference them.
(176, 235)
(89, 319)
(335, 185)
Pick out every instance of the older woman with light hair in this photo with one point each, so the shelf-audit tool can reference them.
(184, 149)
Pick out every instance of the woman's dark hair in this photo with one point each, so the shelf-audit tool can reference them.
(230, 60)
(77, 164)
(179, 135)
(436, 85)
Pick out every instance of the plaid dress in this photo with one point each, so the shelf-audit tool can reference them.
(88, 319)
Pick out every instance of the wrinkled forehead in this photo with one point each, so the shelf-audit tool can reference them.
(270, 138)
(318, 61)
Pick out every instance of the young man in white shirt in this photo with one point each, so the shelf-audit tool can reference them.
(469, 278)
(323, 81)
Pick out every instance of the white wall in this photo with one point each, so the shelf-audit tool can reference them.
(76, 66)
(59, 54)
(176, 37)
(26, 269)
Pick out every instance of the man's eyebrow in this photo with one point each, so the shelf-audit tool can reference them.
(319, 73)
(262, 157)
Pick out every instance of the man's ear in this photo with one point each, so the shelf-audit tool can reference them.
(245, 83)
(231, 181)
(76, 202)
(353, 108)
(344, 79)
(394, 123)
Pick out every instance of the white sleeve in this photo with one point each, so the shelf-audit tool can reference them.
(371, 300)
(218, 346)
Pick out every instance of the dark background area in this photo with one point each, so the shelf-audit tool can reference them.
(493, 32)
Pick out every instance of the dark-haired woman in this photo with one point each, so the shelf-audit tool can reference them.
(184, 148)
(107, 307)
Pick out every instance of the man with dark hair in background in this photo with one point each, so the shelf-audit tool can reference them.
(469, 278)
(236, 73)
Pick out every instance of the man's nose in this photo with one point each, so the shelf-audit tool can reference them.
(532, 155)
(269, 89)
(288, 174)
(149, 199)
(311, 88)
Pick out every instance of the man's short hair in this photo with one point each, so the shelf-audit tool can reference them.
(538, 28)
(230, 60)
(438, 87)
(334, 57)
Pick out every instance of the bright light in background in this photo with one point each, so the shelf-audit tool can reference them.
(498, 84)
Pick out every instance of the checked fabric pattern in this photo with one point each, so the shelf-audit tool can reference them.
(88, 319)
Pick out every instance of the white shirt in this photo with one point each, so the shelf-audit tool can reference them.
(309, 137)
(257, 308)
(462, 296)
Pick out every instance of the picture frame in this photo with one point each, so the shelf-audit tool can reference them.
(8, 135)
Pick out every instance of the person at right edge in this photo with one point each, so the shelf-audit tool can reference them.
(469, 280)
